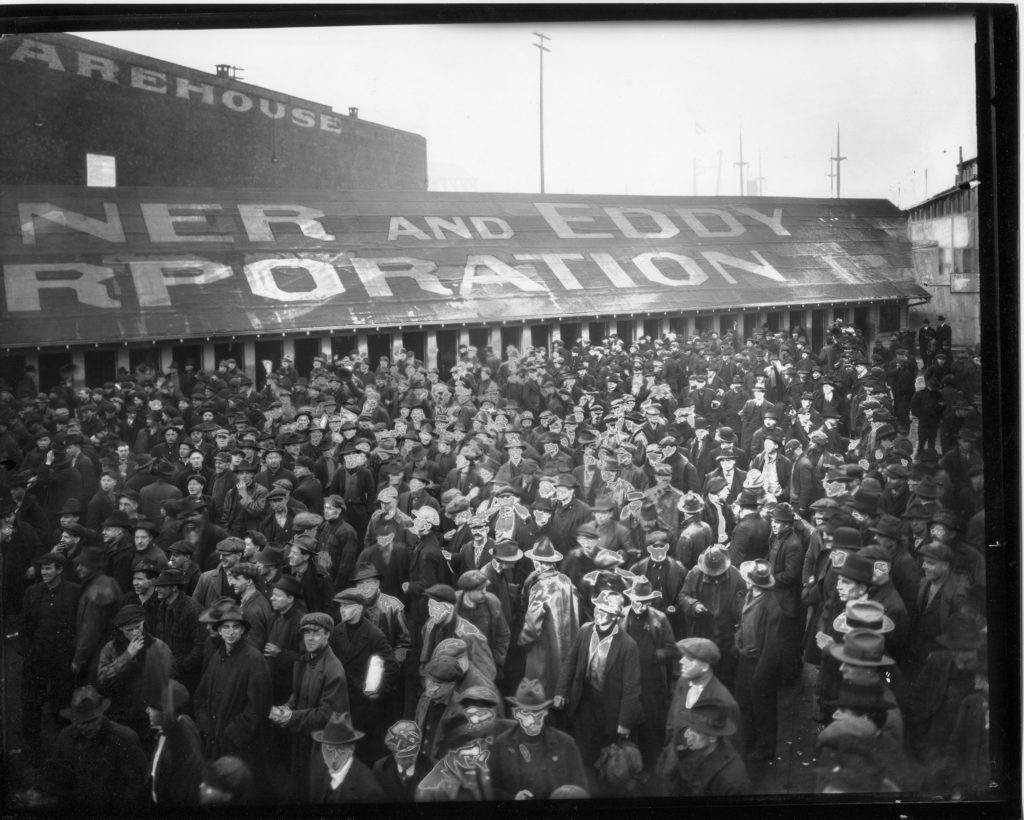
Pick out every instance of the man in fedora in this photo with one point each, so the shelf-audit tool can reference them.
(532, 758)
(336, 775)
(178, 626)
(655, 641)
(706, 763)
(695, 535)
(859, 714)
(97, 605)
(599, 683)
(551, 618)
(763, 660)
(47, 636)
(232, 699)
(665, 574)
(569, 514)
(711, 601)
(319, 689)
(97, 763)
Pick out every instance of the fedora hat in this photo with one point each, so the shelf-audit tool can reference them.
(712, 719)
(232, 612)
(962, 632)
(86, 703)
(162, 468)
(861, 696)
(862, 647)
(507, 551)
(608, 601)
(863, 614)
(783, 512)
(642, 590)
(937, 551)
(857, 568)
(338, 731)
(530, 695)
(758, 573)
(887, 525)
(117, 518)
(170, 578)
(365, 571)
(714, 561)
(544, 551)
(691, 504)
(93, 558)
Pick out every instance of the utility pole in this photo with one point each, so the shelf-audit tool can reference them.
(540, 45)
(837, 159)
(741, 164)
(759, 179)
(831, 179)
(718, 180)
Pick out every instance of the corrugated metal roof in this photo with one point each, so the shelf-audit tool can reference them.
(90, 265)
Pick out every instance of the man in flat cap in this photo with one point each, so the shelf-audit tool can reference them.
(214, 583)
(319, 689)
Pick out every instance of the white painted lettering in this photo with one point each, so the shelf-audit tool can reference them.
(482, 225)
(300, 116)
(774, 221)
(89, 66)
(560, 223)
(689, 216)
(184, 89)
(257, 221)
(152, 277)
(557, 263)
(400, 226)
(613, 270)
(278, 112)
(236, 101)
(455, 225)
(694, 275)
(147, 80)
(374, 274)
(34, 50)
(30, 213)
(329, 123)
(719, 260)
(160, 222)
(499, 274)
(630, 231)
(24, 283)
(326, 282)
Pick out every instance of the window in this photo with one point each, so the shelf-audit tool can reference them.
(100, 171)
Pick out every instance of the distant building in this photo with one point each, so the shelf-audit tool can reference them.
(77, 112)
(944, 233)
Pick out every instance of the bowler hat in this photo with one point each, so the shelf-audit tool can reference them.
(530, 695)
(338, 731)
(71, 506)
(862, 647)
(712, 719)
(857, 568)
(700, 649)
(86, 704)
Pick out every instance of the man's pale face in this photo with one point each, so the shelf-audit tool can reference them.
(231, 632)
(141, 583)
(143, 538)
(315, 638)
(336, 757)
(696, 741)
(107, 483)
(49, 573)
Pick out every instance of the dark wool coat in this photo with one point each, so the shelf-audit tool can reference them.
(514, 768)
(180, 768)
(107, 770)
(232, 701)
(622, 687)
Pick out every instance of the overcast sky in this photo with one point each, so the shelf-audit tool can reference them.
(629, 105)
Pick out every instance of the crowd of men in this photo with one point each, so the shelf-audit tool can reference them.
(583, 571)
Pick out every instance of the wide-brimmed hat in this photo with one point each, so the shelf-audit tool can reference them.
(758, 573)
(530, 695)
(93, 558)
(641, 590)
(545, 551)
(862, 696)
(233, 612)
(690, 503)
(862, 647)
(962, 632)
(149, 526)
(712, 719)
(86, 703)
(338, 731)
(857, 568)
(863, 615)
(365, 571)
(507, 551)
(887, 525)
(117, 518)
(714, 561)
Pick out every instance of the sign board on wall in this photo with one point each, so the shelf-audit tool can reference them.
(84, 265)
